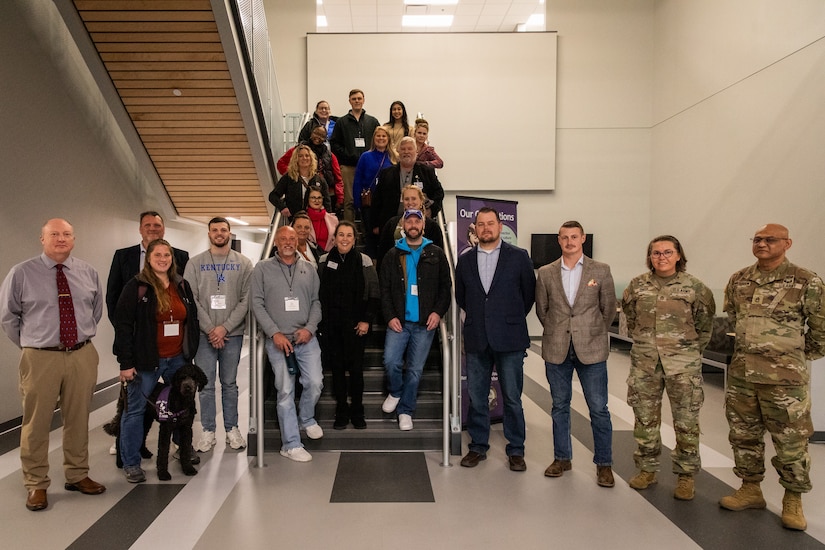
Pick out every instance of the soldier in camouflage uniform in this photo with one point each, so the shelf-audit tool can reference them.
(772, 304)
(670, 317)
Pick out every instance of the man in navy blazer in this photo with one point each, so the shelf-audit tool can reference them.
(128, 261)
(495, 286)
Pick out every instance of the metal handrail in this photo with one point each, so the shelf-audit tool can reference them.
(256, 351)
(449, 354)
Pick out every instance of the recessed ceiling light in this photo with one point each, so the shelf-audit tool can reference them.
(430, 2)
(176, 92)
(426, 20)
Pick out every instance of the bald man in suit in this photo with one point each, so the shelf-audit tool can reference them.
(576, 303)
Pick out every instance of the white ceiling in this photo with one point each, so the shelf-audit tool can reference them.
(385, 15)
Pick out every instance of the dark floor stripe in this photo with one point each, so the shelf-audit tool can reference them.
(382, 477)
(701, 519)
(125, 522)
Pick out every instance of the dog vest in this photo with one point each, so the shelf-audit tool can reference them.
(162, 407)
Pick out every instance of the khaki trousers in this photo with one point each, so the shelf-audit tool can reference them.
(45, 378)
(348, 175)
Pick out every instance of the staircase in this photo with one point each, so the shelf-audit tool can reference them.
(382, 433)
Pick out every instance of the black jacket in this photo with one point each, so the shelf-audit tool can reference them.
(387, 194)
(125, 265)
(311, 124)
(290, 193)
(434, 284)
(136, 336)
(342, 141)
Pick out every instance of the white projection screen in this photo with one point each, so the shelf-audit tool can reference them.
(490, 98)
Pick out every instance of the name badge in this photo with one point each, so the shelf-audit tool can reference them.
(171, 328)
(414, 290)
(218, 301)
(360, 142)
(291, 304)
(332, 265)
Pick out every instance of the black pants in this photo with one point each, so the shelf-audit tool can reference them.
(343, 351)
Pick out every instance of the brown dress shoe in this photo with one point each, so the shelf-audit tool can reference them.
(85, 486)
(37, 500)
(517, 463)
(604, 476)
(557, 468)
(472, 459)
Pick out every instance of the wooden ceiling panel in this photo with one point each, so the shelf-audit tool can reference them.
(166, 60)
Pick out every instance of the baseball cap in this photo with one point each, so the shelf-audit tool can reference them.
(417, 213)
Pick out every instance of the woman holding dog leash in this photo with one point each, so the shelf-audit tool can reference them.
(156, 332)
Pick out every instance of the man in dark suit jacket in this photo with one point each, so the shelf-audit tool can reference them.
(386, 198)
(576, 303)
(128, 262)
(495, 286)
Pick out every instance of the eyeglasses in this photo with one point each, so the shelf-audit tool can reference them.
(316, 198)
(662, 254)
(770, 241)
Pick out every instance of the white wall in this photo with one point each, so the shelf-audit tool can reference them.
(739, 118)
(289, 21)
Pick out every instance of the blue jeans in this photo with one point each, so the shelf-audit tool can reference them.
(416, 340)
(593, 379)
(138, 391)
(312, 381)
(510, 368)
(223, 363)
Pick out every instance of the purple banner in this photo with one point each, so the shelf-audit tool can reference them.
(466, 208)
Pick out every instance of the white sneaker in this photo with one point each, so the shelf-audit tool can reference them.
(206, 442)
(390, 403)
(235, 440)
(314, 431)
(298, 454)
(405, 422)
(113, 449)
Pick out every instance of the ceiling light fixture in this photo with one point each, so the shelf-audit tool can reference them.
(176, 92)
(236, 220)
(426, 20)
(430, 2)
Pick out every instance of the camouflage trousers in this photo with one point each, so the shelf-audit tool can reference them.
(644, 394)
(785, 412)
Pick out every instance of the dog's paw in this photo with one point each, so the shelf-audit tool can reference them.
(164, 475)
(145, 453)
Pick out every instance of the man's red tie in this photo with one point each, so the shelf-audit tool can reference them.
(68, 323)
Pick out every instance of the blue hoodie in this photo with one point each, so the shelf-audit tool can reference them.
(411, 312)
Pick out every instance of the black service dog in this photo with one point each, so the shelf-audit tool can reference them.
(173, 406)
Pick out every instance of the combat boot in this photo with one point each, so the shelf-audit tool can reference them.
(792, 517)
(749, 495)
(684, 487)
(643, 480)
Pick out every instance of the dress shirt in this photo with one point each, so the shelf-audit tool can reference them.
(487, 262)
(29, 310)
(571, 278)
(142, 257)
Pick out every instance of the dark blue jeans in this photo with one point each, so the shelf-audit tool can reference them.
(593, 379)
(510, 368)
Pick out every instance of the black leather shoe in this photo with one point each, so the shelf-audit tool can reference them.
(472, 459)
(85, 486)
(359, 423)
(37, 500)
(517, 463)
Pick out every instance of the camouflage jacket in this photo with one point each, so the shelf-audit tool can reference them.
(671, 322)
(771, 312)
